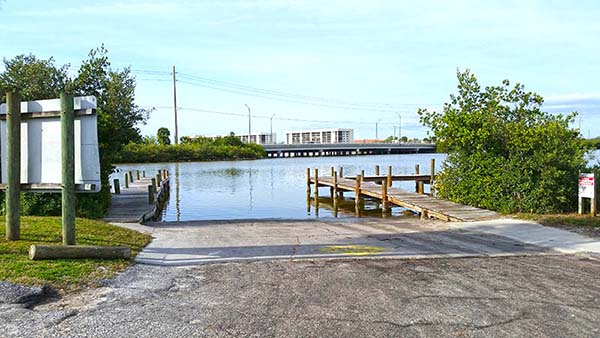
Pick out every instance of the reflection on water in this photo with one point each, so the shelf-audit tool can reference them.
(274, 188)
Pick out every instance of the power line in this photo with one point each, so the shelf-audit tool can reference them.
(240, 89)
(269, 117)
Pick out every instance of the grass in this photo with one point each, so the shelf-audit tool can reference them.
(66, 274)
(563, 219)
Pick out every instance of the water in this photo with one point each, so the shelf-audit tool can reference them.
(270, 188)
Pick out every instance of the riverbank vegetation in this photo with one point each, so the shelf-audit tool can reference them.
(16, 267)
(504, 153)
(151, 149)
(118, 115)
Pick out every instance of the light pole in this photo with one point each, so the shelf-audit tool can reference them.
(376, 129)
(399, 128)
(272, 116)
(249, 122)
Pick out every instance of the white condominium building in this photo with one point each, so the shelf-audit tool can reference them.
(334, 135)
(259, 138)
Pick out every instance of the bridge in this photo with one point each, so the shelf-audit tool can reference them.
(345, 149)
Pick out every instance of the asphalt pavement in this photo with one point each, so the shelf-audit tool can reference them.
(333, 278)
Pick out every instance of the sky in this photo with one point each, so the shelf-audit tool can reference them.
(366, 65)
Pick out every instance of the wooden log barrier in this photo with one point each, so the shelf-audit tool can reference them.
(39, 252)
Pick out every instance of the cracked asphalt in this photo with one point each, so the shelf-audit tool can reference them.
(516, 296)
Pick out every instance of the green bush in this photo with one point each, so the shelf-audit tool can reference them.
(204, 151)
(504, 153)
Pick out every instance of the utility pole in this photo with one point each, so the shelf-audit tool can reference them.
(249, 123)
(175, 106)
(399, 128)
(394, 139)
(272, 116)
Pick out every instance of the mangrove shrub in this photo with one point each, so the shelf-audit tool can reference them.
(504, 153)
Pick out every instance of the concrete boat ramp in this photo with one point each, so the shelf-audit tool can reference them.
(192, 243)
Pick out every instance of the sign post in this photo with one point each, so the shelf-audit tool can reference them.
(13, 168)
(67, 124)
(587, 189)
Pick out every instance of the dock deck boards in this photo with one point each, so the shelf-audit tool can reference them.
(132, 205)
(426, 205)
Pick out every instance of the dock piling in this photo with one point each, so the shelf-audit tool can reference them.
(389, 176)
(431, 180)
(341, 172)
(377, 170)
(384, 197)
(126, 180)
(143, 173)
(150, 194)
(357, 190)
(316, 187)
(137, 175)
(130, 176)
(117, 186)
(308, 182)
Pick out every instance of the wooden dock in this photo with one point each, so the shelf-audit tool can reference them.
(139, 200)
(380, 188)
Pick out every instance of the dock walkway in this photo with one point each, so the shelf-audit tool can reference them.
(423, 204)
(132, 204)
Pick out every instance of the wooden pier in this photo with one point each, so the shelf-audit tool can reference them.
(379, 187)
(138, 198)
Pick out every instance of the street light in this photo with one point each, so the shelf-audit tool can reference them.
(376, 129)
(399, 128)
(272, 116)
(249, 122)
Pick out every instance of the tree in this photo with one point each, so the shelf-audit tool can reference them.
(117, 112)
(504, 153)
(163, 135)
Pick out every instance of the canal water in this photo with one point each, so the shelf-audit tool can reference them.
(272, 188)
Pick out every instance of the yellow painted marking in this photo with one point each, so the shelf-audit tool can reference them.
(354, 250)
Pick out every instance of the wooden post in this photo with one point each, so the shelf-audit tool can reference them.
(416, 182)
(334, 185)
(308, 181)
(593, 206)
(158, 182)
(126, 180)
(137, 175)
(117, 186)
(154, 187)
(13, 169)
(316, 184)
(130, 176)
(432, 178)
(150, 194)
(331, 190)
(389, 176)
(384, 203)
(143, 173)
(580, 205)
(341, 172)
(362, 174)
(357, 190)
(67, 124)
(377, 170)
